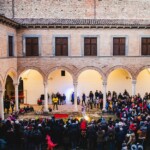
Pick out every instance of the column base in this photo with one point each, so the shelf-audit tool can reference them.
(45, 112)
(2, 116)
(76, 108)
(104, 110)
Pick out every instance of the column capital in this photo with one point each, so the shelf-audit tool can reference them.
(45, 83)
(133, 81)
(104, 83)
(16, 84)
(75, 83)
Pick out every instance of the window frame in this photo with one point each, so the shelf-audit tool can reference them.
(144, 36)
(82, 44)
(90, 44)
(24, 44)
(13, 44)
(54, 43)
(61, 44)
(126, 44)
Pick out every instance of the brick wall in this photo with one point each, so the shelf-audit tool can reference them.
(126, 9)
(74, 64)
(5, 31)
(6, 63)
(105, 38)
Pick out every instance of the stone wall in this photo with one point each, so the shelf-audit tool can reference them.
(2, 7)
(85, 9)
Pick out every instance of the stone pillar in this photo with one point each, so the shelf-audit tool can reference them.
(1, 105)
(75, 84)
(104, 95)
(45, 97)
(133, 87)
(16, 96)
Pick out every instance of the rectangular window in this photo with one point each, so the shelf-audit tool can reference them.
(145, 46)
(32, 46)
(119, 46)
(61, 46)
(90, 46)
(10, 46)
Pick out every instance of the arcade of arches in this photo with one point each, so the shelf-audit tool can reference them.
(31, 84)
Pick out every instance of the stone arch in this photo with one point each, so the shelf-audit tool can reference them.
(91, 68)
(12, 73)
(1, 84)
(120, 67)
(141, 69)
(21, 70)
(60, 67)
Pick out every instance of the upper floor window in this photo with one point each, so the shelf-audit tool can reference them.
(145, 46)
(32, 46)
(90, 46)
(119, 45)
(10, 46)
(61, 46)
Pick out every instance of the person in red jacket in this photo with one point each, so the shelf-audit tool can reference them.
(83, 124)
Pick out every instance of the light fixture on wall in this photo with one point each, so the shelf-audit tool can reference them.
(25, 78)
(50, 78)
(128, 77)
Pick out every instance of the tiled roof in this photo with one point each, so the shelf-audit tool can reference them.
(74, 23)
(42, 21)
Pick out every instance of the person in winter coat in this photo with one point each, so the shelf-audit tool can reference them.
(91, 137)
(100, 139)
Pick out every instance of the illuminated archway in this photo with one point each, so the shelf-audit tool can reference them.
(9, 88)
(61, 81)
(33, 85)
(143, 82)
(118, 80)
(89, 80)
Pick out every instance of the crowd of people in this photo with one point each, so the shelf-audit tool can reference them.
(129, 129)
(61, 98)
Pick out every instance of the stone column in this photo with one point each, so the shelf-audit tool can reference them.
(104, 95)
(16, 96)
(1, 105)
(133, 87)
(75, 84)
(45, 97)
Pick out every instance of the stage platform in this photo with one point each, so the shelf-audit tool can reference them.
(66, 110)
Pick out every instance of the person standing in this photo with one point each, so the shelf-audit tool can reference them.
(55, 102)
(96, 95)
(83, 99)
(7, 106)
(72, 98)
(91, 96)
(64, 98)
(12, 104)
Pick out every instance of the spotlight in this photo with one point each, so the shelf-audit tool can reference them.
(86, 118)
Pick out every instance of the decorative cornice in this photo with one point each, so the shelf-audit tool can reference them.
(39, 23)
(8, 21)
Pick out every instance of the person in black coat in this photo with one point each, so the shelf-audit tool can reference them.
(91, 137)
(83, 99)
(91, 96)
